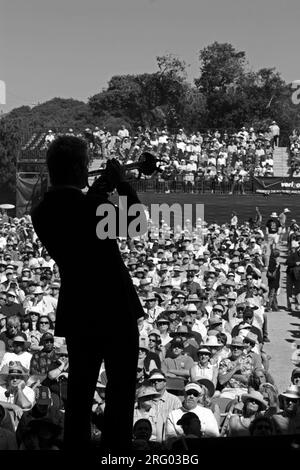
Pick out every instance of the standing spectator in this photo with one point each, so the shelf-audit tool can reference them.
(273, 229)
(273, 276)
(282, 220)
(293, 278)
(275, 132)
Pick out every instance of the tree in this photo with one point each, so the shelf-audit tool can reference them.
(221, 66)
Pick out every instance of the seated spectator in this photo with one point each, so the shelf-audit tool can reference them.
(295, 377)
(204, 368)
(287, 421)
(270, 394)
(147, 360)
(163, 324)
(165, 402)
(47, 431)
(179, 364)
(142, 432)
(206, 398)
(7, 435)
(12, 307)
(18, 354)
(261, 426)
(58, 371)
(15, 396)
(190, 346)
(13, 328)
(190, 403)
(215, 347)
(154, 344)
(258, 377)
(234, 372)
(146, 409)
(43, 325)
(191, 426)
(254, 404)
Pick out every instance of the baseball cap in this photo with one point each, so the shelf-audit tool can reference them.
(192, 386)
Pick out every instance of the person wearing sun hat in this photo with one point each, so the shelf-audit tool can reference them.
(19, 353)
(190, 345)
(165, 402)
(146, 409)
(287, 421)
(15, 395)
(235, 371)
(204, 368)
(254, 404)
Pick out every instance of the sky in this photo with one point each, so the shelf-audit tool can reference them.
(71, 48)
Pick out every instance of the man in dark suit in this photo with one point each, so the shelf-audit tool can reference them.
(65, 221)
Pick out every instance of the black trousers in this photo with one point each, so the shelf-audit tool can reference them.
(118, 347)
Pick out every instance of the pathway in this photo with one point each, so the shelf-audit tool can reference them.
(284, 329)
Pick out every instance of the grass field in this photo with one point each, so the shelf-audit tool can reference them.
(218, 207)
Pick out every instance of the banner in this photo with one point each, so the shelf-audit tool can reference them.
(30, 189)
(275, 185)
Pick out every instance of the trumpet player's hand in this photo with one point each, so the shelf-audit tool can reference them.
(114, 172)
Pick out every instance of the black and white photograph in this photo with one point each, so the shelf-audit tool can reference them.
(150, 231)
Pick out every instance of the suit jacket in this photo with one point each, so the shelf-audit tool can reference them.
(95, 284)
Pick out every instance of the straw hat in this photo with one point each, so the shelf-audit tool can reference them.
(257, 396)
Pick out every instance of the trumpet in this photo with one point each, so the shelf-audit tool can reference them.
(146, 164)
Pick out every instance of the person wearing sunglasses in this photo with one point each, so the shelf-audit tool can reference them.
(15, 395)
(165, 402)
(295, 377)
(204, 368)
(180, 363)
(190, 403)
(19, 353)
(254, 404)
(155, 347)
(163, 324)
(287, 421)
(43, 325)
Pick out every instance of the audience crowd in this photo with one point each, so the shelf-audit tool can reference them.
(295, 153)
(227, 160)
(202, 370)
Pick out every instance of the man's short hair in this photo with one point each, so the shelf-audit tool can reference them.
(65, 153)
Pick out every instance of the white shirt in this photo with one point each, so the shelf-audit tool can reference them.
(199, 327)
(209, 425)
(23, 358)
